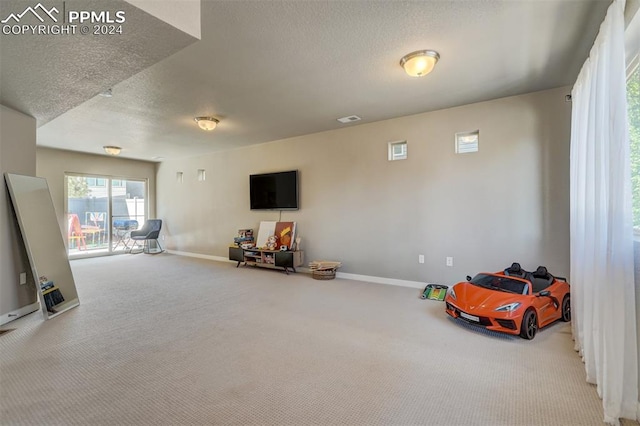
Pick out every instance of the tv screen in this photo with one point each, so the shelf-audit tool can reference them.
(274, 191)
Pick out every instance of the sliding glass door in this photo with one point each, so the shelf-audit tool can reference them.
(101, 211)
(128, 210)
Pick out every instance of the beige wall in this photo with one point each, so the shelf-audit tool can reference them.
(52, 164)
(17, 155)
(508, 202)
(182, 14)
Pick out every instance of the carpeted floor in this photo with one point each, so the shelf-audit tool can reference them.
(169, 340)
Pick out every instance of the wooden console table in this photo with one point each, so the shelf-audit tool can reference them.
(267, 258)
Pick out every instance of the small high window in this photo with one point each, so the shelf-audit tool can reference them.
(397, 150)
(467, 142)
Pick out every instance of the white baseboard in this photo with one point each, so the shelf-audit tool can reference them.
(200, 256)
(14, 315)
(344, 275)
(380, 280)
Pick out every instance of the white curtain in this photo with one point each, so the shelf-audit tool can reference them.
(602, 266)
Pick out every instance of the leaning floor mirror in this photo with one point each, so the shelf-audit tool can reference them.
(44, 243)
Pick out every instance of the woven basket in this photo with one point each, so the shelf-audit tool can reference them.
(327, 274)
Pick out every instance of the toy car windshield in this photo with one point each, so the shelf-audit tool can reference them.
(498, 283)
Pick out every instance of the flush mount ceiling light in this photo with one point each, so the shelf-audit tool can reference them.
(207, 123)
(112, 150)
(420, 62)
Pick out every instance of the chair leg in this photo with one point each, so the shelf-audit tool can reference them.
(157, 243)
(146, 247)
(134, 245)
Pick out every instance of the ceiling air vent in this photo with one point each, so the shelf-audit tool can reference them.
(349, 119)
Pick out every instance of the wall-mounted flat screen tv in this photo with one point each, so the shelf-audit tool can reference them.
(274, 191)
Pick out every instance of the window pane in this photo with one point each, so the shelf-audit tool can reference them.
(467, 142)
(397, 150)
(87, 216)
(128, 206)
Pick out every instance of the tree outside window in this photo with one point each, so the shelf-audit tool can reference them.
(77, 187)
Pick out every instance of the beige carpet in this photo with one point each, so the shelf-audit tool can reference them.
(168, 340)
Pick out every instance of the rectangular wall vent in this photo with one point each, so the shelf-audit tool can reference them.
(349, 119)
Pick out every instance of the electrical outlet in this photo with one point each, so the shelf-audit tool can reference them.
(421, 258)
(449, 261)
(23, 278)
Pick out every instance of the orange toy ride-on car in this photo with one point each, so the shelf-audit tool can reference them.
(512, 301)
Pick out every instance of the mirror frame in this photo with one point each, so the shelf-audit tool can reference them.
(42, 238)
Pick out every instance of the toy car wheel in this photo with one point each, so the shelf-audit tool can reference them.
(566, 309)
(423, 296)
(529, 325)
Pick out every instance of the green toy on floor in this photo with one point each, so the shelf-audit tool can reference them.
(434, 292)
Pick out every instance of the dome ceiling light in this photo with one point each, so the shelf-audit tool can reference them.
(112, 150)
(420, 62)
(207, 123)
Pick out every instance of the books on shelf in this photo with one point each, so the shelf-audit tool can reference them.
(244, 238)
(46, 285)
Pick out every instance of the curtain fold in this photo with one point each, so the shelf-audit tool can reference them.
(604, 319)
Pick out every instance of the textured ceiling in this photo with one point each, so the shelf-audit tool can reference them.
(271, 70)
(47, 75)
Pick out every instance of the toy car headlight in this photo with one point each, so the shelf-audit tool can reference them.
(508, 308)
(451, 292)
